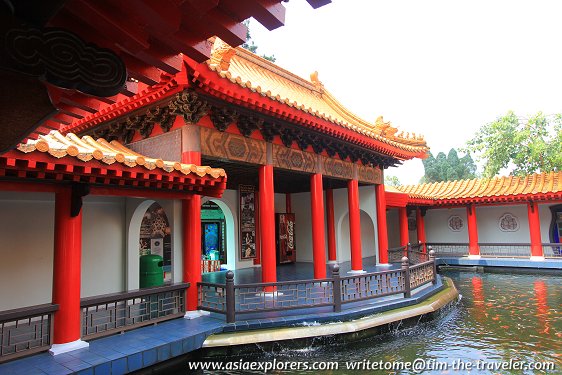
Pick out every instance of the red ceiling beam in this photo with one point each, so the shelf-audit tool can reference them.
(214, 22)
(111, 23)
(270, 13)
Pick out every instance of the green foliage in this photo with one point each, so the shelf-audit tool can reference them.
(251, 46)
(448, 167)
(523, 146)
(391, 181)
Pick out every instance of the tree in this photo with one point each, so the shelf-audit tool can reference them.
(523, 146)
(448, 167)
(391, 181)
(251, 46)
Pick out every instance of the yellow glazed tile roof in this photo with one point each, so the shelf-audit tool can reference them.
(497, 188)
(86, 149)
(259, 75)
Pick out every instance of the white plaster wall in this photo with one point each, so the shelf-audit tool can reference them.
(26, 248)
(393, 225)
(103, 245)
(367, 203)
(488, 224)
(437, 228)
(300, 203)
(280, 203)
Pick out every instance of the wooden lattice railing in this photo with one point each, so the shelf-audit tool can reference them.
(26, 331)
(335, 291)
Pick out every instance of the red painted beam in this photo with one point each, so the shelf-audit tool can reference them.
(215, 22)
(318, 3)
(111, 23)
(270, 13)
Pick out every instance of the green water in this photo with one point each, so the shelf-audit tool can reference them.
(501, 317)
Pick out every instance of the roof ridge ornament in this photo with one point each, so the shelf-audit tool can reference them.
(316, 82)
(221, 54)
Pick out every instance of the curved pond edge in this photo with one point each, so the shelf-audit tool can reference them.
(400, 316)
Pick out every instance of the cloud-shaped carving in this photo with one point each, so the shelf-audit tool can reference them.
(65, 60)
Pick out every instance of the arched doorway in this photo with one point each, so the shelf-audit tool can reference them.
(368, 248)
(155, 237)
(217, 234)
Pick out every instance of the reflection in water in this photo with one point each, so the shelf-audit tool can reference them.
(478, 299)
(500, 317)
(542, 306)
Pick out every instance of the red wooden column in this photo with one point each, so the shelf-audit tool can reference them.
(473, 248)
(267, 225)
(535, 231)
(354, 226)
(420, 224)
(382, 230)
(332, 256)
(191, 212)
(403, 223)
(66, 274)
(191, 219)
(318, 235)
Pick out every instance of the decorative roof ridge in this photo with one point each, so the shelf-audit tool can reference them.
(486, 187)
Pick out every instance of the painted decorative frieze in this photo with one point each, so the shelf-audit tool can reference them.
(232, 147)
(295, 160)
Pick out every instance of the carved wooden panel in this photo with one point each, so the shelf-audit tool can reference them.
(232, 147)
(295, 160)
(337, 168)
(372, 175)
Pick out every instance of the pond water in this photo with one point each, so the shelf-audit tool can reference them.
(501, 317)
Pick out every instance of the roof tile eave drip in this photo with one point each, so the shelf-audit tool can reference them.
(86, 149)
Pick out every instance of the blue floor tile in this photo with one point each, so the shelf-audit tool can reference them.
(103, 369)
(149, 357)
(119, 366)
(176, 348)
(163, 352)
(134, 361)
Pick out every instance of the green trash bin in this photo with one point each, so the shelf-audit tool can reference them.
(151, 271)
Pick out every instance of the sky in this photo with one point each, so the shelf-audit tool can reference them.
(442, 68)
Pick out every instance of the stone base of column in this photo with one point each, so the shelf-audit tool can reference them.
(383, 264)
(474, 257)
(536, 258)
(256, 265)
(195, 314)
(57, 349)
(332, 262)
(356, 272)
